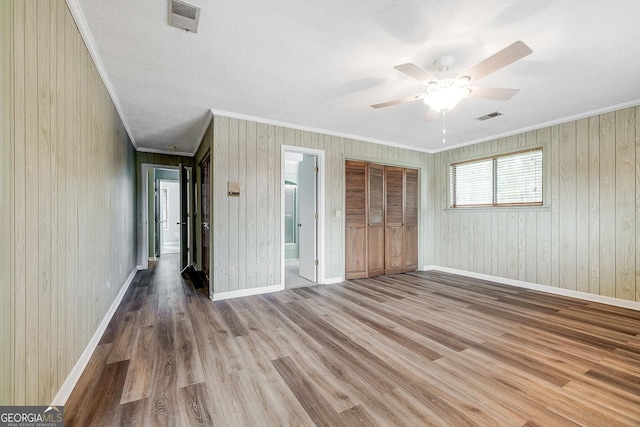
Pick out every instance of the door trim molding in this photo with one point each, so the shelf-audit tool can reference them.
(143, 248)
(320, 194)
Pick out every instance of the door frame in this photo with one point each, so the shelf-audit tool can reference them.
(143, 249)
(320, 194)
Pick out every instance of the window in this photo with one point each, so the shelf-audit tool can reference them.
(513, 179)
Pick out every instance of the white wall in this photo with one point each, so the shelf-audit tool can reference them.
(172, 233)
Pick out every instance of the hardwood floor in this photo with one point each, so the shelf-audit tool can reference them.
(422, 348)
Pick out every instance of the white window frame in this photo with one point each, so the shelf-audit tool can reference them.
(497, 206)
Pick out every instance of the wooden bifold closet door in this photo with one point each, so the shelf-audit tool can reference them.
(381, 220)
(375, 228)
(356, 220)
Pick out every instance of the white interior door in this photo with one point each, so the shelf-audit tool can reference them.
(307, 222)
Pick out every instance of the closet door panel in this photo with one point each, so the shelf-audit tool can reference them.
(356, 220)
(375, 232)
(394, 219)
(411, 206)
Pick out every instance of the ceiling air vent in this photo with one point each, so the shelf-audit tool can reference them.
(183, 15)
(488, 116)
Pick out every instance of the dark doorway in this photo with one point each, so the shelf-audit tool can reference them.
(205, 207)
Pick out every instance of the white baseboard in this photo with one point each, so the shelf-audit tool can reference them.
(633, 305)
(246, 292)
(67, 387)
(333, 280)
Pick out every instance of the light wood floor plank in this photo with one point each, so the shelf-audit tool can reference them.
(423, 348)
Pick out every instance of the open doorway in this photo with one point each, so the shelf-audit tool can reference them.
(300, 209)
(169, 221)
(167, 213)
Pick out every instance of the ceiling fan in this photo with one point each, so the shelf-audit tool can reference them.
(443, 95)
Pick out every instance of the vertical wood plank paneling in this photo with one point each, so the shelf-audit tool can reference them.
(271, 202)
(337, 203)
(7, 258)
(242, 205)
(607, 205)
(261, 224)
(594, 205)
(478, 242)
(582, 205)
(81, 158)
(588, 237)
(44, 198)
(59, 161)
(71, 184)
(513, 238)
(522, 246)
(233, 247)
(262, 216)
(531, 254)
(567, 205)
(19, 205)
(555, 208)
(65, 164)
(220, 211)
(252, 206)
(438, 209)
(637, 144)
(543, 250)
(531, 227)
(31, 170)
(625, 203)
(277, 178)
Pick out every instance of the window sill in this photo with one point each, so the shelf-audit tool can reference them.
(501, 208)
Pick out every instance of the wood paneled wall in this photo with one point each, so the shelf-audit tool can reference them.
(6, 183)
(72, 213)
(589, 238)
(246, 230)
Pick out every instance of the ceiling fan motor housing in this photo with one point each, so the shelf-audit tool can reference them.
(444, 63)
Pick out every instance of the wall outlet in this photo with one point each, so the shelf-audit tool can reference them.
(595, 272)
(120, 268)
(108, 284)
(232, 270)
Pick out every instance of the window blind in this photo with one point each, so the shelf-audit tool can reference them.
(506, 180)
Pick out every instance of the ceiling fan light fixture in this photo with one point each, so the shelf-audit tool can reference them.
(446, 98)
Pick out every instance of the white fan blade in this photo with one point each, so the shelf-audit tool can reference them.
(412, 70)
(399, 101)
(506, 56)
(492, 93)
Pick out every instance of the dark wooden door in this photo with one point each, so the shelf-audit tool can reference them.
(394, 220)
(184, 217)
(411, 206)
(205, 208)
(375, 230)
(356, 220)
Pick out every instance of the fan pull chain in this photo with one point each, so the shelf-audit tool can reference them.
(444, 130)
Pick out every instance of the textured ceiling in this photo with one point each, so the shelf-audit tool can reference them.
(319, 65)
